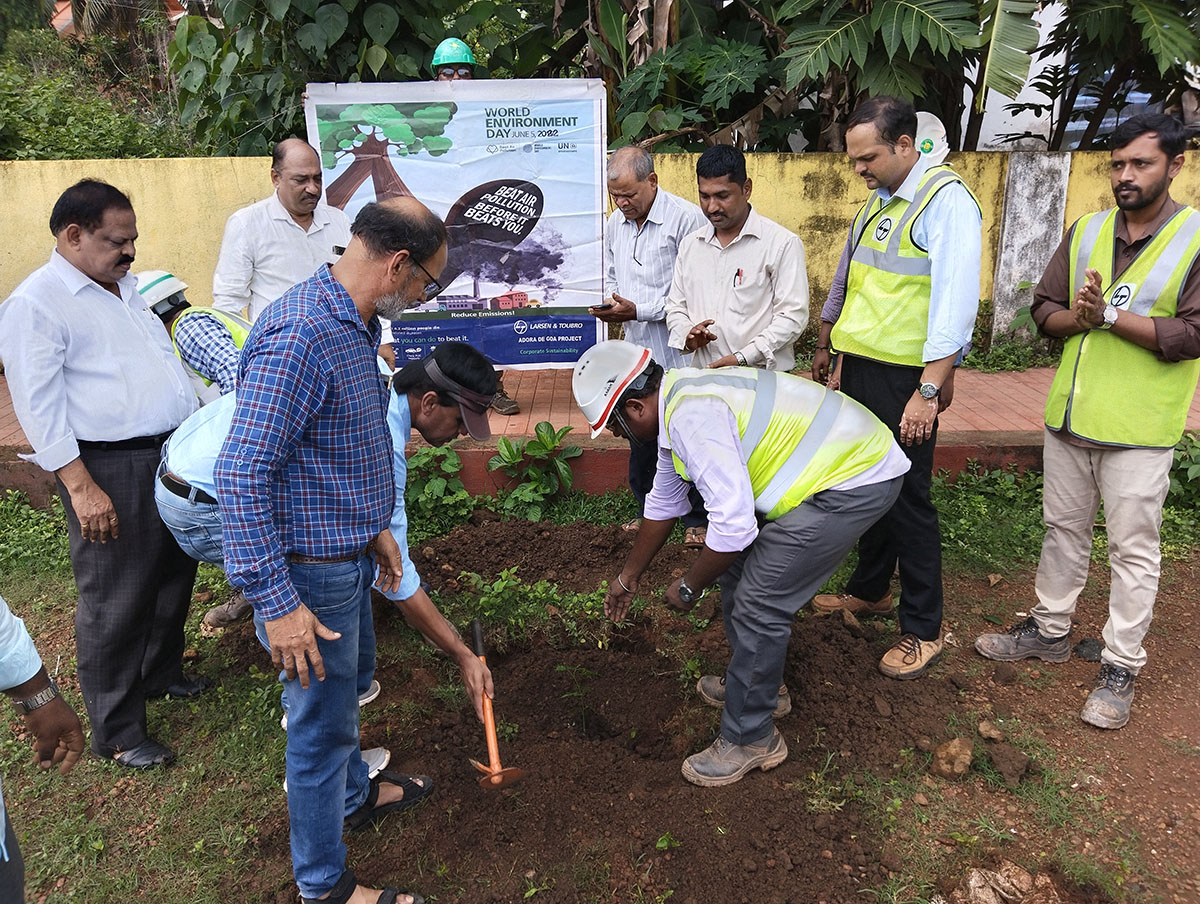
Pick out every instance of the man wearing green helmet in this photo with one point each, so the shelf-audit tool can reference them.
(453, 60)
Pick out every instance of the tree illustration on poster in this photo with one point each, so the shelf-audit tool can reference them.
(367, 132)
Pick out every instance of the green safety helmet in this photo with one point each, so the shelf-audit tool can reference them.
(451, 51)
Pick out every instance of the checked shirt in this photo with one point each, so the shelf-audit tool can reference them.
(306, 468)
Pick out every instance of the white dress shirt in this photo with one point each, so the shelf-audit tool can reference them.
(640, 263)
(83, 364)
(755, 289)
(265, 252)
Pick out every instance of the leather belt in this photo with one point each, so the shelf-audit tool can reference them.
(185, 490)
(138, 442)
(296, 559)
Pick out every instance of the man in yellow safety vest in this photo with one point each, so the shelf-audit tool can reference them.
(791, 475)
(1123, 289)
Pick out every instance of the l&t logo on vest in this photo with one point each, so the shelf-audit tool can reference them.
(883, 228)
(1121, 295)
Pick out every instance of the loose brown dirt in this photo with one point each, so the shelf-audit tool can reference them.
(604, 814)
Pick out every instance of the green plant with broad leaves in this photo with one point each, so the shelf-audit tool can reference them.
(1185, 473)
(434, 495)
(539, 466)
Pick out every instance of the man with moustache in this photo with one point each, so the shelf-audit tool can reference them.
(305, 483)
(97, 389)
(911, 295)
(740, 291)
(1123, 289)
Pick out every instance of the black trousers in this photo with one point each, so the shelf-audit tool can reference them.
(12, 870)
(643, 461)
(909, 532)
(134, 593)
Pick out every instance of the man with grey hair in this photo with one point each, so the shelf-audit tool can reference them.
(305, 482)
(640, 245)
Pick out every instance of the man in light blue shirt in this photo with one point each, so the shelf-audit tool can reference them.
(641, 243)
(904, 314)
(58, 736)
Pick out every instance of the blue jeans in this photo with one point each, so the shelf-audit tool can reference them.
(196, 526)
(327, 779)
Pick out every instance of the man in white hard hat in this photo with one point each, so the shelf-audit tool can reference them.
(206, 340)
(791, 474)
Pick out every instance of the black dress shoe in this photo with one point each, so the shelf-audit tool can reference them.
(145, 755)
(188, 686)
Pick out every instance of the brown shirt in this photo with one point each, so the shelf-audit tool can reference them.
(1178, 336)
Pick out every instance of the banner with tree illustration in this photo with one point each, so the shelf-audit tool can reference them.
(515, 169)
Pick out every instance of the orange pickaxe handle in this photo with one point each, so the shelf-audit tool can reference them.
(489, 718)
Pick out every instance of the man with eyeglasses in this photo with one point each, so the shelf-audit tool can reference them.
(641, 242)
(452, 61)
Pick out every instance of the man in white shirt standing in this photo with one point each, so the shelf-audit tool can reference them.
(641, 242)
(281, 240)
(97, 389)
(740, 292)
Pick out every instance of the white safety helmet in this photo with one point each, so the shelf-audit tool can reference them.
(602, 374)
(931, 138)
(162, 291)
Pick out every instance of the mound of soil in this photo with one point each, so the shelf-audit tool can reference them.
(603, 813)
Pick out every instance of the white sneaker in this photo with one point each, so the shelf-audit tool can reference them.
(364, 698)
(376, 759)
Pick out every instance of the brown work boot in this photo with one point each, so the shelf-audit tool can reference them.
(826, 603)
(712, 691)
(910, 656)
(503, 403)
(226, 614)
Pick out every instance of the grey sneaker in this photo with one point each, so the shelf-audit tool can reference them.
(1108, 705)
(503, 403)
(226, 614)
(711, 689)
(724, 763)
(1024, 641)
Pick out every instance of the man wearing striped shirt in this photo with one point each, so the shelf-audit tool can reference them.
(640, 245)
(305, 484)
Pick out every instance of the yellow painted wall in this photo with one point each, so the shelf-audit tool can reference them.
(181, 208)
(182, 204)
(1089, 188)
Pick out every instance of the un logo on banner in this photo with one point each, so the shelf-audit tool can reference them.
(520, 327)
(882, 230)
(1121, 295)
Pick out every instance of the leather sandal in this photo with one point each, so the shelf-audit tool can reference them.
(344, 888)
(416, 788)
(146, 755)
(693, 537)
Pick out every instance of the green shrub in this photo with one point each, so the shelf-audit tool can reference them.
(33, 541)
(990, 519)
(539, 465)
(435, 499)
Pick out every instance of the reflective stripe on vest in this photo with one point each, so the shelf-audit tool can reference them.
(797, 438)
(888, 284)
(1107, 389)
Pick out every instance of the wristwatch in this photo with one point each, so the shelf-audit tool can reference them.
(1110, 317)
(928, 391)
(688, 595)
(741, 359)
(40, 699)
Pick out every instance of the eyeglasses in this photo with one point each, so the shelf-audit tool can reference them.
(451, 71)
(434, 288)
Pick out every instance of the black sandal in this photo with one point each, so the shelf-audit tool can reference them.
(347, 883)
(416, 788)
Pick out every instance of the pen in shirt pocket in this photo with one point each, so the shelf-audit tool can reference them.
(737, 277)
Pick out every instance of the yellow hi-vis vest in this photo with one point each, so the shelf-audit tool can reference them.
(798, 437)
(886, 314)
(239, 329)
(1107, 389)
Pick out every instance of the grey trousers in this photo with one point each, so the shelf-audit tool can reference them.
(134, 594)
(768, 583)
(12, 870)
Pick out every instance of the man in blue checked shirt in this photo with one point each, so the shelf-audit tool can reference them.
(305, 484)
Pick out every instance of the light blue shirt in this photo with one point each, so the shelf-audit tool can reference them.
(639, 265)
(191, 452)
(19, 661)
(951, 228)
(399, 419)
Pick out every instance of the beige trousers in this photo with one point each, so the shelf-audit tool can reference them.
(1133, 484)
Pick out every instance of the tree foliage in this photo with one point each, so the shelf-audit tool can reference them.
(241, 81)
(74, 98)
